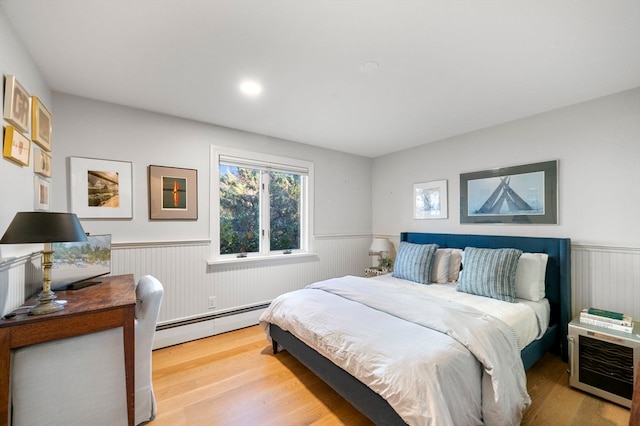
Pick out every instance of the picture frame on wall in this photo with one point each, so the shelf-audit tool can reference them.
(42, 163)
(41, 126)
(42, 191)
(16, 104)
(430, 200)
(17, 147)
(526, 194)
(173, 193)
(101, 189)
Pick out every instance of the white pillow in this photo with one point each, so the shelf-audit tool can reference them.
(530, 276)
(440, 266)
(455, 262)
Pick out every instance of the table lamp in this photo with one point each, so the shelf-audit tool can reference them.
(378, 246)
(47, 228)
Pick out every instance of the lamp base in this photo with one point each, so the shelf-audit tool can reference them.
(46, 304)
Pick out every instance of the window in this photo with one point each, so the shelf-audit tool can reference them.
(260, 205)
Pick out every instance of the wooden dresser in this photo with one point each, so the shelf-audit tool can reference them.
(100, 307)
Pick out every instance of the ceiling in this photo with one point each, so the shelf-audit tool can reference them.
(443, 67)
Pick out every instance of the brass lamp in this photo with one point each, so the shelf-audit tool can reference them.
(47, 228)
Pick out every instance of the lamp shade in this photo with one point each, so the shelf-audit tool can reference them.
(43, 227)
(380, 244)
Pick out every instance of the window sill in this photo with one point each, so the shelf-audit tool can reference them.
(270, 260)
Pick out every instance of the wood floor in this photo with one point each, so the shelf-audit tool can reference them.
(234, 379)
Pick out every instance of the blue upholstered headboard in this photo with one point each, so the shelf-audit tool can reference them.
(557, 279)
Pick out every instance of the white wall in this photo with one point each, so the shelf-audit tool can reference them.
(596, 143)
(16, 182)
(87, 128)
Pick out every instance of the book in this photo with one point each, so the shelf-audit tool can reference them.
(626, 319)
(605, 313)
(607, 325)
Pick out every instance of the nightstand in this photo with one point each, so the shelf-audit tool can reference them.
(374, 272)
(603, 361)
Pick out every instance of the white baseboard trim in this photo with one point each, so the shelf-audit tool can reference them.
(200, 330)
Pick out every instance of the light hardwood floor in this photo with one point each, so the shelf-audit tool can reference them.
(234, 379)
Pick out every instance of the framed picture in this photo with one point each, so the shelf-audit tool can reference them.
(40, 124)
(16, 104)
(42, 163)
(41, 193)
(16, 146)
(101, 188)
(525, 194)
(173, 193)
(430, 200)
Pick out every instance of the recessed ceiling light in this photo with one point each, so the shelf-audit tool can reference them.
(250, 88)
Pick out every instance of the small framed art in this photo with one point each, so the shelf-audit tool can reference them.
(526, 194)
(42, 163)
(430, 200)
(41, 193)
(101, 188)
(173, 193)
(40, 124)
(17, 146)
(16, 104)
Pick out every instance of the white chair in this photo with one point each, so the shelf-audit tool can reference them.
(81, 380)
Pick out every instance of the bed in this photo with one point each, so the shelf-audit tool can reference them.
(459, 368)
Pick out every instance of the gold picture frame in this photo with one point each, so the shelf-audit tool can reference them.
(40, 124)
(16, 104)
(17, 146)
(173, 193)
(42, 163)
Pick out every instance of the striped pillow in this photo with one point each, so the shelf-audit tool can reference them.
(413, 262)
(490, 273)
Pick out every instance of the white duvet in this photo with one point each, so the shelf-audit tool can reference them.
(436, 362)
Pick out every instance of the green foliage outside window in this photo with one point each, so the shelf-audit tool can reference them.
(240, 210)
(285, 211)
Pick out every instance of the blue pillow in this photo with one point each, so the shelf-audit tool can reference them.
(490, 273)
(413, 262)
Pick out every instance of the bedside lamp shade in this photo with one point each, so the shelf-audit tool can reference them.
(378, 246)
(47, 228)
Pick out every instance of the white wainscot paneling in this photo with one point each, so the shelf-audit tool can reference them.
(241, 292)
(606, 278)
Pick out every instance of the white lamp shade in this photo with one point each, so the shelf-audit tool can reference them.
(380, 245)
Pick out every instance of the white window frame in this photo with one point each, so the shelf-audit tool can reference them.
(266, 162)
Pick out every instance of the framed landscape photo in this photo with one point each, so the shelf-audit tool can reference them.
(42, 163)
(101, 188)
(40, 124)
(41, 193)
(173, 193)
(17, 146)
(430, 200)
(16, 104)
(526, 194)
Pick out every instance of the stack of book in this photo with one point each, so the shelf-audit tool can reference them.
(607, 319)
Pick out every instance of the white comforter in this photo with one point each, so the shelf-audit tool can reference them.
(435, 362)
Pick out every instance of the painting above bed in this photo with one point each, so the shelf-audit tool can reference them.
(526, 194)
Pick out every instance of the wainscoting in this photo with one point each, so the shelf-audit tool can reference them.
(241, 292)
(605, 277)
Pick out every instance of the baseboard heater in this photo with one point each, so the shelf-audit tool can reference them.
(209, 317)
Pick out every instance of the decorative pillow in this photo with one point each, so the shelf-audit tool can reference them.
(490, 273)
(530, 276)
(455, 262)
(440, 266)
(413, 262)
